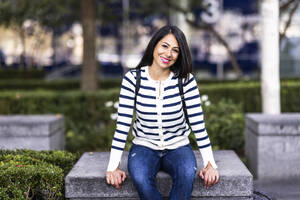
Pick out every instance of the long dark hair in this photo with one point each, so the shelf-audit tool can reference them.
(183, 65)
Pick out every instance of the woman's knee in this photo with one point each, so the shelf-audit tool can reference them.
(139, 177)
(187, 173)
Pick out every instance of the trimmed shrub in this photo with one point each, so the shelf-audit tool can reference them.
(22, 74)
(224, 123)
(27, 174)
(57, 85)
(88, 122)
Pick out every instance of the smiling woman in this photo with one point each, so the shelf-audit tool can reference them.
(161, 130)
(165, 53)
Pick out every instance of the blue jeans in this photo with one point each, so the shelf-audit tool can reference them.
(144, 163)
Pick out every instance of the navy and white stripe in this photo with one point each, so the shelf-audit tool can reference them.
(160, 122)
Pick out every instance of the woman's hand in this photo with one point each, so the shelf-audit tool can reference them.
(209, 175)
(115, 178)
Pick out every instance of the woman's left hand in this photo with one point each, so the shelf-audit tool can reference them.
(209, 175)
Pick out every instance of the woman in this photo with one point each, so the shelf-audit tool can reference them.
(160, 129)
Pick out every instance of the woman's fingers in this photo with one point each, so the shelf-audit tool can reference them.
(218, 177)
(116, 178)
(210, 180)
(119, 179)
(123, 176)
(112, 181)
(107, 179)
(210, 177)
(116, 181)
(206, 179)
(201, 174)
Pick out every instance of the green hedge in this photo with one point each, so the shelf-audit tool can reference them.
(57, 85)
(22, 74)
(83, 113)
(248, 92)
(88, 123)
(249, 95)
(27, 174)
(73, 84)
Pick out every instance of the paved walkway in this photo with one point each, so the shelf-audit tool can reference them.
(279, 190)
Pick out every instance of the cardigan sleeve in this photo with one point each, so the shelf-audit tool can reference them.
(124, 119)
(196, 119)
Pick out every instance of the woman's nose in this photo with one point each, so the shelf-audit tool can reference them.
(168, 53)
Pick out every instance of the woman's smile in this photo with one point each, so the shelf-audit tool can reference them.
(165, 60)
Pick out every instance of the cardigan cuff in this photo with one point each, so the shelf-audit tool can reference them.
(114, 160)
(207, 155)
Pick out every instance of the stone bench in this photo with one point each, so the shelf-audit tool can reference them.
(86, 181)
(36, 132)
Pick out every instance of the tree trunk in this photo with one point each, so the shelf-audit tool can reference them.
(89, 66)
(270, 80)
(23, 53)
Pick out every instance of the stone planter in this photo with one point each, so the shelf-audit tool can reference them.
(36, 132)
(272, 146)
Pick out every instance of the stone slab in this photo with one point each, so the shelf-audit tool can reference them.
(272, 146)
(267, 124)
(87, 179)
(36, 132)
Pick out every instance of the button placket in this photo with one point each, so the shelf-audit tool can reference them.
(159, 104)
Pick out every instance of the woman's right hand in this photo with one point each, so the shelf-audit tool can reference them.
(115, 178)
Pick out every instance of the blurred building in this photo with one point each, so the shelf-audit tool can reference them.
(121, 48)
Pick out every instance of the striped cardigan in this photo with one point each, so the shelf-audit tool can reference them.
(160, 122)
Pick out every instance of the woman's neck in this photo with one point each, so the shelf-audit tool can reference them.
(158, 74)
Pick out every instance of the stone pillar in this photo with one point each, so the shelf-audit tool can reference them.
(273, 146)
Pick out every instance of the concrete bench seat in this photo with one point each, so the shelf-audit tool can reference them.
(86, 181)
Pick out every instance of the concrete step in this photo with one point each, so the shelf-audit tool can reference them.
(86, 181)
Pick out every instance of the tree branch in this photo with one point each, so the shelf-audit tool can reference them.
(286, 5)
(175, 7)
(210, 29)
(288, 23)
(219, 38)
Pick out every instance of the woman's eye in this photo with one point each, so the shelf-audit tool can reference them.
(165, 46)
(176, 51)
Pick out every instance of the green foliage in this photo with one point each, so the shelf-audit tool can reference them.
(89, 126)
(58, 85)
(49, 13)
(249, 94)
(27, 174)
(83, 112)
(14, 12)
(20, 75)
(225, 125)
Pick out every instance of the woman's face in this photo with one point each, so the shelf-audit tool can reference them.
(166, 52)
